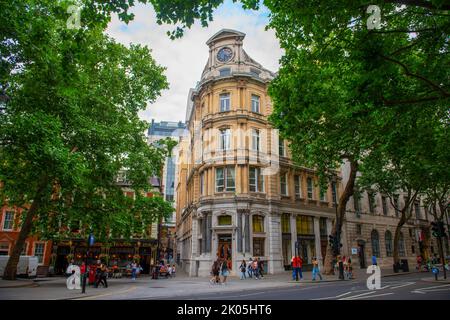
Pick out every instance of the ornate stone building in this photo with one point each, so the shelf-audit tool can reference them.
(239, 194)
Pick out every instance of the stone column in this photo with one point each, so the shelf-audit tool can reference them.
(275, 262)
(317, 241)
(293, 233)
(247, 232)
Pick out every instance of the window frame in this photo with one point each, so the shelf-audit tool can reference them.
(281, 148)
(258, 185)
(224, 102)
(43, 250)
(258, 220)
(3, 250)
(256, 103)
(262, 245)
(375, 248)
(5, 214)
(388, 243)
(284, 178)
(225, 178)
(256, 139)
(310, 188)
(298, 185)
(224, 139)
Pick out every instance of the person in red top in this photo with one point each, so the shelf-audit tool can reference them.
(297, 264)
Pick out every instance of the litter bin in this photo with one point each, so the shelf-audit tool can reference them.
(405, 266)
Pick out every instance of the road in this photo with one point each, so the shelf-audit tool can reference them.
(405, 287)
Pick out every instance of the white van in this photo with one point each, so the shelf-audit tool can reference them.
(27, 266)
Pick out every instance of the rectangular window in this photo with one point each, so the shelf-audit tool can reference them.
(285, 223)
(255, 140)
(384, 203)
(225, 179)
(417, 209)
(225, 72)
(255, 103)
(371, 197)
(225, 139)
(281, 149)
(39, 251)
(305, 225)
(8, 222)
(258, 223)
(322, 194)
(258, 247)
(334, 191)
(224, 102)
(323, 226)
(298, 184)
(4, 248)
(358, 229)
(256, 180)
(224, 220)
(309, 183)
(283, 184)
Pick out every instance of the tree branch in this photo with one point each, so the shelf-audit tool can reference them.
(408, 73)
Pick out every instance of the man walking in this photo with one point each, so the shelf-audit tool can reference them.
(297, 268)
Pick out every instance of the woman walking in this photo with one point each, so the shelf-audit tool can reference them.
(224, 271)
(215, 273)
(243, 269)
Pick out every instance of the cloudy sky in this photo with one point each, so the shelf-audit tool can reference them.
(185, 58)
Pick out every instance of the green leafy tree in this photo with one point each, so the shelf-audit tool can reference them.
(69, 124)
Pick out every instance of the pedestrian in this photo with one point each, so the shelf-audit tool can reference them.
(169, 270)
(260, 267)
(255, 270)
(83, 271)
(249, 268)
(419, 262)
(374, 260)
(316, 270)
(133, 270)
(300, 267)
(215, 273)
(243, 268)
(350, 269)
(173, 270)
(101, 274)
(224, 271)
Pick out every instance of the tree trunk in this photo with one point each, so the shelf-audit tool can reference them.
(340, 214)
(11, 266)
(398, 229)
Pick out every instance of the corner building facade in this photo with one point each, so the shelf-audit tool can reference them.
(239, 194)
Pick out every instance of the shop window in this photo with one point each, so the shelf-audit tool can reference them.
(258, 247)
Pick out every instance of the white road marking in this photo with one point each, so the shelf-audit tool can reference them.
(370, 297)
(403, 285)
(344, 294)
(358, 295)
(417, 291)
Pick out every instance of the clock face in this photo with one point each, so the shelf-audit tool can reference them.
(224, 54)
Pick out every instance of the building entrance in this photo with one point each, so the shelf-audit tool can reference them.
(224, 249)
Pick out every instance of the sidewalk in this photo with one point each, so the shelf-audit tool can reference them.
(19, 283)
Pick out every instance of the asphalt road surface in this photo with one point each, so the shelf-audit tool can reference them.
(405, 287)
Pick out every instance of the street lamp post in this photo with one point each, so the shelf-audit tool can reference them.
(85, 274)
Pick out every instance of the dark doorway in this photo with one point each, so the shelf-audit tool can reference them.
(224, 248)
(361, 254)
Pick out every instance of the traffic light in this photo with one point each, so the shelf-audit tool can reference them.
(438, 229)
(331, 240)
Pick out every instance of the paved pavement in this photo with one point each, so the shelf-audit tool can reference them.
(280, 286)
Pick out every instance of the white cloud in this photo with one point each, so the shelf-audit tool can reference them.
(185, 58)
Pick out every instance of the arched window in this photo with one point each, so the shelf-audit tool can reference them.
(388, 241)
(258, 223)
(375, 243)
(401, 245)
